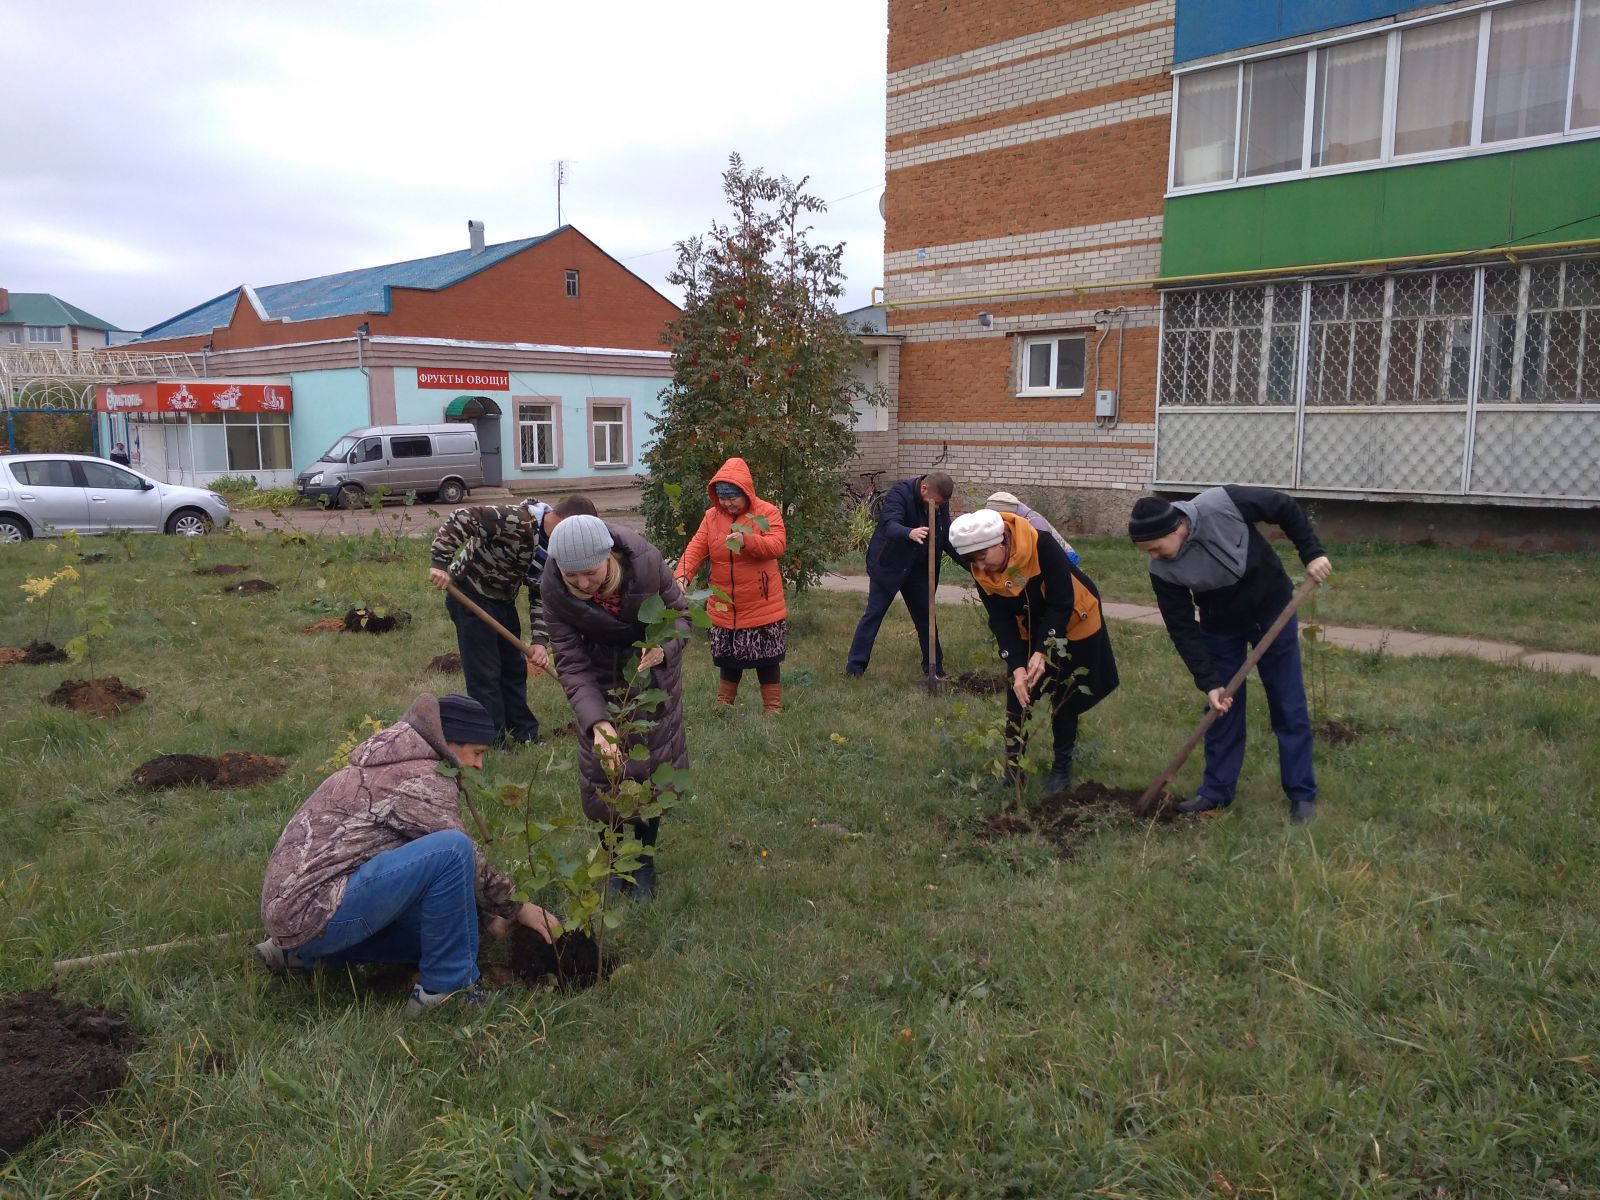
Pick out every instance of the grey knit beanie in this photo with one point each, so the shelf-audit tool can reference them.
(580, 543)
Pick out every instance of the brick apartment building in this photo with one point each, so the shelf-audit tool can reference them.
(1027, 149)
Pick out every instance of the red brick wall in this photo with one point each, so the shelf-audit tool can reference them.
(921, 31)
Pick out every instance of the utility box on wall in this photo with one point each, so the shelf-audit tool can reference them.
(1105, 403)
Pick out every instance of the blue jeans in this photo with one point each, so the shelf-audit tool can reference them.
(416, 904)
(1286, 702)
(914, 588)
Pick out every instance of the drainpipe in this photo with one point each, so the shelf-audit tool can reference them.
(362, 332)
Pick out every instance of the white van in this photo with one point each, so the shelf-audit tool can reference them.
(438, 462)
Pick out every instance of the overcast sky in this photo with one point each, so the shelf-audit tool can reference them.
(153, 157)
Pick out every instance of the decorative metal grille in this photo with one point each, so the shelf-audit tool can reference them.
(1231, 346)
(1541, 334)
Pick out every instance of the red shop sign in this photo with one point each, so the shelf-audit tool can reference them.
(193, 395)
(488, 381)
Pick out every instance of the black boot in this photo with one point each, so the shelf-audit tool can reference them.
(1059, 780)
(644, 880)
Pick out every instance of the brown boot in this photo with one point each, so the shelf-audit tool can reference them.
(727, 692)
(771, 699)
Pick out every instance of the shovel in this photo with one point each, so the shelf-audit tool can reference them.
(933, 597)
(1147, 801)
(476, 609)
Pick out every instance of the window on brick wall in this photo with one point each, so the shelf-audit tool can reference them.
(572, 284)
(1052, 365)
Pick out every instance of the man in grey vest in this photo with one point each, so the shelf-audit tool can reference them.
(1207, 554)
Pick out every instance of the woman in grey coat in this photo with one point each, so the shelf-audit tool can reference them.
(603, 575)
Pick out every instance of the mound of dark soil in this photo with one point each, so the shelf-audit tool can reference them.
(96, 558)
(570, 729)
(573, 962)
(32, 655)
(234, 769)
(174, 770)
(325, 625)
(448, 663)
(976, 683)
(100, 697)
(223, 569)
(1337, 733)
(248, 587)
(58, 1061)
(364, 620)
(1063, 818)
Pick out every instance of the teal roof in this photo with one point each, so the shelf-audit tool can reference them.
(349, 293)
(41, 308)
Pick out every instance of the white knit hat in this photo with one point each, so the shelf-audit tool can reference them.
(1003, 502)
(580, 543)
(976, 531)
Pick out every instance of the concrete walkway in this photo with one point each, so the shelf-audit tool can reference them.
(1398, 642)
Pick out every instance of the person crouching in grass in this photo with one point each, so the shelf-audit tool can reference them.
(1045, 615)
(375, 866)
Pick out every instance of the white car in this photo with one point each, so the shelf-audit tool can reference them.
(44, 494)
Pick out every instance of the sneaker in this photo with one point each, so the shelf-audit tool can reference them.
(1302, 812)
(273, 960)
(421, 1001)
(1200, 804)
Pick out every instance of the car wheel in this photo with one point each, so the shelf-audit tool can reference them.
(351, 496)
(189, 522)
(13, 529)
(451, 491)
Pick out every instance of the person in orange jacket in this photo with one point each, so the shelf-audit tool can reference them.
(748, 629)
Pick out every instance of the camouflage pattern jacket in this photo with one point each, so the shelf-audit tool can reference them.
(492, 549)
(390, 794)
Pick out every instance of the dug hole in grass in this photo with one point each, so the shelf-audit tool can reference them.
(841, 988)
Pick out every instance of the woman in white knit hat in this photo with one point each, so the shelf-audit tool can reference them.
(603, 576)
(1045, 615)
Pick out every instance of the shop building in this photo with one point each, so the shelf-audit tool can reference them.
(548, 346)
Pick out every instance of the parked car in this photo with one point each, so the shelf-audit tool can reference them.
(43, 494)
(438, 462)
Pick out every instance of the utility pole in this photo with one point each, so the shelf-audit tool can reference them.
(561, 178)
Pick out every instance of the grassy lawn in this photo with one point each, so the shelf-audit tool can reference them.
(841, 990)
(1544, 601)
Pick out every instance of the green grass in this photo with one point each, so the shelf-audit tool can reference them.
(1542, 601)
(1399, 1001)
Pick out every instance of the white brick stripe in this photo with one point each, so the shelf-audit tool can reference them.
(1044, 241)
(967, 329)
(1158, 104)
(1062, 36)
(1042, 431)
(1138, 56)
(1079, 269)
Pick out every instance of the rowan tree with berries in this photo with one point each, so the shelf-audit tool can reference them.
(761, 368)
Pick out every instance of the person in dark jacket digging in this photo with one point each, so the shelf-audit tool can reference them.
(1207, 554)
(1045, 615)
(375, 866)
(897, 564)
(603, 575)
(489, 551)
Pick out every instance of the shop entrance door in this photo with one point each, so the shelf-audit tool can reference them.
(484, 415)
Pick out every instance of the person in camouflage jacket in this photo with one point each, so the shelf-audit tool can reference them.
(489, 551)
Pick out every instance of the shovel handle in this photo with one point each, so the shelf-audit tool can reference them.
(1147, 801)
(476, 609)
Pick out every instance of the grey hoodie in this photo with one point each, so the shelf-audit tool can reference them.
(390, 794)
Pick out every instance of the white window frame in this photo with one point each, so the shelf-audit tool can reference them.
(14, 336)
(624, 434)
(1386, 157)
(51, 335)
(1023, 391)
(552, 407)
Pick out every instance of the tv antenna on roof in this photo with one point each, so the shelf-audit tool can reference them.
(558, 171)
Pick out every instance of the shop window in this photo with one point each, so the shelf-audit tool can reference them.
(1525, 90)
(275, 449)
(1053, 366)
(572, 284)
(49, 334)
(1274, 112)
(410, 447)
(536, 435)
(608, 434)
(1347, 123)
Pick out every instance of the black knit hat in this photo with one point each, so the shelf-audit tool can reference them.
(1152, 518)
(465, 721)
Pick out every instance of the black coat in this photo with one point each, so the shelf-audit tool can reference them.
(892, 554)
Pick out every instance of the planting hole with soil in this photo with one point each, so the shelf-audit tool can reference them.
(32, 655)
(1064, 819)
(58, 1061)
(223, 569)
(234, 769)
(99, 697)
(449, 664)
(366, 620)
(248, 587)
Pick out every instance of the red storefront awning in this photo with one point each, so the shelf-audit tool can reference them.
(193, 395)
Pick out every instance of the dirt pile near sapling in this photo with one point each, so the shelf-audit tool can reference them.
(58, 1061)
(223, 569)
(234, 769)
(572, 962)
(99, 697)
(1064, 818)
(365, 620)
(976, 683)
(325, 625)
(32, 655)
(1336, 733)
(448, 663)
(248, 587)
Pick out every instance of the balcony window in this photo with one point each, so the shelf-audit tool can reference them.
(1438, 67)
(1530, 52)
(1274, 111)
(1208, 103)
(1347, 124)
